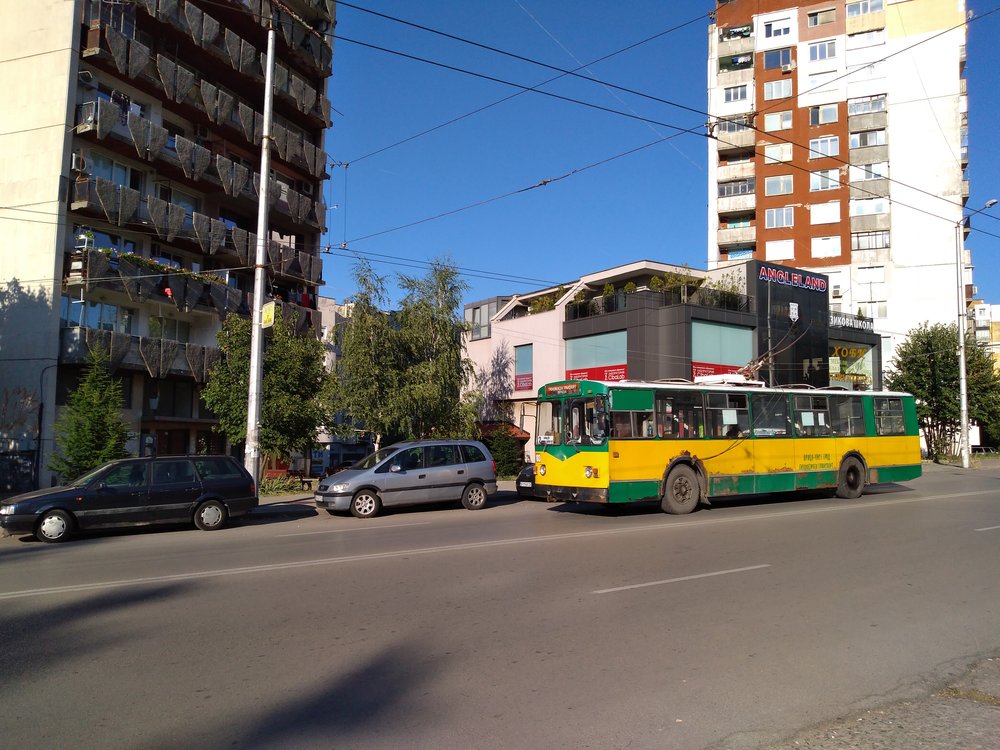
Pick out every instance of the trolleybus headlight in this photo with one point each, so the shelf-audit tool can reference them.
(541, 470)
(588, 472)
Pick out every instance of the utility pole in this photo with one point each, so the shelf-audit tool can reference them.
(251, 457)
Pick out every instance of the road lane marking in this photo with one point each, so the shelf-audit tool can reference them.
(678, 580)
(670, 524)
(989, 528)
(357, 528)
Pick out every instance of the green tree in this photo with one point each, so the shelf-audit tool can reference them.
(402, 375)
(290, 410)
(507, 451)
(368, 374)
(435, 368)
(91, 430)
(926, 365)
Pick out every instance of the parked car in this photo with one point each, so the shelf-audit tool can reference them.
(203, 490)
(412, 472)
(525, 482)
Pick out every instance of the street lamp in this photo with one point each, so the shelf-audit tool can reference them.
(963, 394)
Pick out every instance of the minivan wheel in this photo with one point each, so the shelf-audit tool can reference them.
(366, 504)
(474, 497)
(54, 526)
(210, 516)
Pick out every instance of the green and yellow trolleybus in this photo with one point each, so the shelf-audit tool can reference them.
(685, 443)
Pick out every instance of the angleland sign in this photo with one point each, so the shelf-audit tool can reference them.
(792, 278)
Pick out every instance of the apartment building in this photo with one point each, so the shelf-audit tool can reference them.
(839, 145)
(129, 197)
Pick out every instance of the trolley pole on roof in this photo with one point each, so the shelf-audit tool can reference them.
(251, 458)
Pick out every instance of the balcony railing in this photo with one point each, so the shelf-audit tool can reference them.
(648, 299)
(158, 357)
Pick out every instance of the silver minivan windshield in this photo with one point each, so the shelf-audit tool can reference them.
(374, 459)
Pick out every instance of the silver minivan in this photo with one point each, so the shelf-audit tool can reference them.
(412, 472)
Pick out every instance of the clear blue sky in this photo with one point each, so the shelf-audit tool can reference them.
(650, 204)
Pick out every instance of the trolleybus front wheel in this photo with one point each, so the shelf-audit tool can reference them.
(682, 492)
(851, 482)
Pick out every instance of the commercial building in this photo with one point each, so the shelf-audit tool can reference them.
(656, 321)
(129, 199)
(839, 145)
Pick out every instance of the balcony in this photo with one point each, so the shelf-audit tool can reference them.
(648, 299)
(736, 236)
(869, 155)
(740, 171)
(735, 77)
(878, 188)
(736, 204)
(866, 22)
(870, 223)
(868, 121)
(735, 140)
(158, 357)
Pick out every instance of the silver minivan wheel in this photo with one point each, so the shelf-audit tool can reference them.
(366, 504)
(474, 497)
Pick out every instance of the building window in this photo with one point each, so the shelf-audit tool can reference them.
(778, 185)
(825, 247)
(778, 120)
(868, 138)
(735, 62)
(777, 58)
(168, 328)
(863, 105)
(739, 253)
(736, 93)
(866, 39)
(737, 223)
(864, 6)
(779, 250)
(869, 206)
(523, 367)
(820, 17)
(874, 309)
(737, 187)
(823, 114)
(823, 50)
(733, 125)
(781, 27)
(99, 316)
(118, 173)
(824, 179)
(478, 319)
(776, 218)
(780, 89)
(730, 33)
(777, 152)
(862, 172)
(827, 145)
(870, 240)
(824, 213)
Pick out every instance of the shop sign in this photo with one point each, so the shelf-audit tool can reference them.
(523, 382)
(841, 320)
(607, 372)
(702, 369)
(792, 278)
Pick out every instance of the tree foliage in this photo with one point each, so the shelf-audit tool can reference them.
(926, 365)
(90, 430)
(293, 377)
(402, 375)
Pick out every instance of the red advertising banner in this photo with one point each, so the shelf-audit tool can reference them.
(708, 368)
(523, 382)
(607, 372)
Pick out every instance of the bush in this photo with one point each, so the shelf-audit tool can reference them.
(280, 486)
(507, 452)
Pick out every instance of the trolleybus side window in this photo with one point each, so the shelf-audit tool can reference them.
(847, 416)
(771, 416)
(728, 415)
(889, 416)
(679, 415)
(812, 416)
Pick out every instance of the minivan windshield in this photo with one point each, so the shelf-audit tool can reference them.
(374, 459)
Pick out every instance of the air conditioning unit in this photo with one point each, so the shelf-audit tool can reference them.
(788, 68)
(837, 294)
(77, 162)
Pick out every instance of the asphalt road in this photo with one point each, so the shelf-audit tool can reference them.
(523, 625)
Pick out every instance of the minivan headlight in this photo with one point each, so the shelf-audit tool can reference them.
(338, 487)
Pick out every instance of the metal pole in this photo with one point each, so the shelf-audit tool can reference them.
(963, 395)
(251, 458)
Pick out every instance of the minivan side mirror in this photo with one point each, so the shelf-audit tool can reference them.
(395, 468)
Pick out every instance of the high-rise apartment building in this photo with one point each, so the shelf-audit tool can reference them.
(840, 146)
(131, 151)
